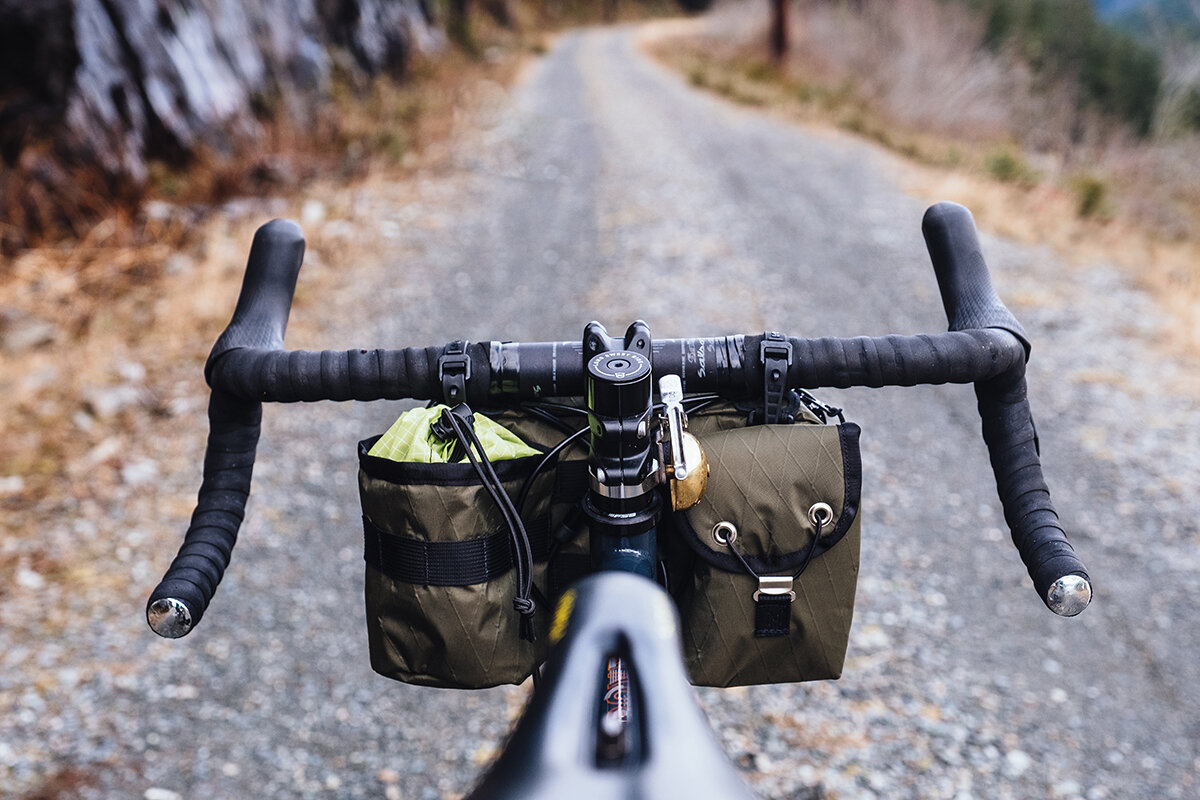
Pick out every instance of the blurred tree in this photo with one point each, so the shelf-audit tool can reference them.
(1121, 77)
(1062, 40)
(780, 35)
(37, 59)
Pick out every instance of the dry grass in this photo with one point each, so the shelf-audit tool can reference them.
(911, 76)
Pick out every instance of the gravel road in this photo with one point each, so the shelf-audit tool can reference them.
(603, 187)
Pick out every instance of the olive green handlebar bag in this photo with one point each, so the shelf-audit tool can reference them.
(440, 576)
(764, 599)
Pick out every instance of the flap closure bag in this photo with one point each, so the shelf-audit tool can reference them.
(774, 544)
(769, 482)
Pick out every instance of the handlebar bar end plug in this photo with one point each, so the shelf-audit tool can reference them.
(169, 618)
(1069, 595)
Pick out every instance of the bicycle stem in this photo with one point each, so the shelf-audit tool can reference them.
(622, 503)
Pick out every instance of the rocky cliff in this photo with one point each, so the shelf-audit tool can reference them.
(91, 91)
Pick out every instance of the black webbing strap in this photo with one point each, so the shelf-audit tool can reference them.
(423, 563)
(458, 563)
(772, 615)
(454, 370)
(776, 354)
(471, 561)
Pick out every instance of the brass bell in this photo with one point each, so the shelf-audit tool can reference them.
(686, 492)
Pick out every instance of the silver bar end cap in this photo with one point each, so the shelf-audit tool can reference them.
(169, 618)
(1069, 595)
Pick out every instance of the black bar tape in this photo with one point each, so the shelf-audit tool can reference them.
(1011, 438)
(259, 322)
(228, 463)
(282, 376)
(955, 357)
(260, 319)
(968, 296)
(971, 302)
(306, 376)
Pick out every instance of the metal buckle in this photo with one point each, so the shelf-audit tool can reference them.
(775, 586)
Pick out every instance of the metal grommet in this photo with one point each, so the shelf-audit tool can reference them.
(820, 514)
(725, 533)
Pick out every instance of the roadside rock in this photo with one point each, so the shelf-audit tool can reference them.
(102, 88)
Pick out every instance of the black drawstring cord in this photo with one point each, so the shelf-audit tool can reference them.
(523, 495)
(522, 550)
(808, 556)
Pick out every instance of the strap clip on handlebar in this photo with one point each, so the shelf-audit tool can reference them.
(775, 352)
(454, 370)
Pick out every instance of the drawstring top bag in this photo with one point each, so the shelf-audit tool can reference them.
(454, 568)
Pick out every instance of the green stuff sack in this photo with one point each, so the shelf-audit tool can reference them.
(747, 616)
(411, 439)
(440, 579)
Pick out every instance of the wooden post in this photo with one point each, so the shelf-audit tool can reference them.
(780, 35)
